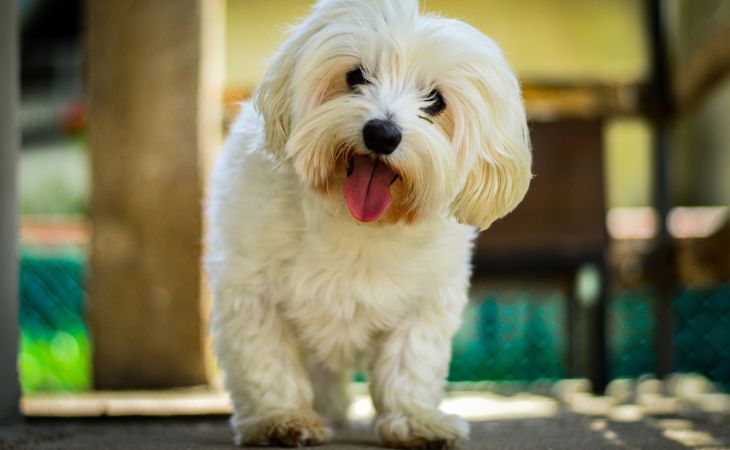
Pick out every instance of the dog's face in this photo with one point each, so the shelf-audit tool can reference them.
(393, 116)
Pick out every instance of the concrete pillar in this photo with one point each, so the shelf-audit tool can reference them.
(9, 387)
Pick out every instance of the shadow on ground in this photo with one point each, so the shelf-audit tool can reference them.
(562, 431)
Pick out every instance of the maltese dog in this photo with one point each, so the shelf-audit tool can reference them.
(341, 218)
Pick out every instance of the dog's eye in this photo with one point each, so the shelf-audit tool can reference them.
(437, 105)
(356, 77)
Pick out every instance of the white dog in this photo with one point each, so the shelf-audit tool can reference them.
(342, 214)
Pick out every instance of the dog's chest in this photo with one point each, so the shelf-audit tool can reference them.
(343, 291)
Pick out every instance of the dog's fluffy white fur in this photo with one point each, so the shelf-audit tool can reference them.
(304, 293)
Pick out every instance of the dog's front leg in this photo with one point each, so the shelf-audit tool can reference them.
(408, 376)
(262, 364)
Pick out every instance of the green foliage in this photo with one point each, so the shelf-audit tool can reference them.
(55, 346)
(59, 361)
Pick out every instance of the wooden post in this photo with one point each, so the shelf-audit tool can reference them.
(154, 82)
(662, 109)
(9, 389)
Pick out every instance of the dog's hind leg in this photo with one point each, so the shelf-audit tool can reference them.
(331, 392)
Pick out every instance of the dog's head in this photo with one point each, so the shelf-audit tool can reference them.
(397, 115)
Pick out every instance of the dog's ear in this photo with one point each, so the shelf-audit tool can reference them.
(500, 159)
(273, 97)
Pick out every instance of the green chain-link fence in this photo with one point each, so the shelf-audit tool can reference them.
(511, 335)
(702, 332)
(630, 330)
(507, 334)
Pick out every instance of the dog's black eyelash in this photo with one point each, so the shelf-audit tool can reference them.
(356, 77)
(437, 105)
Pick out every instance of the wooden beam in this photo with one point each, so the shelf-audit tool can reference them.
(705, 68)
(9, 390)
(553, 101)
(154, 94)
(546, 101)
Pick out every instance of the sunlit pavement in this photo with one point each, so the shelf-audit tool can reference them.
(680, 412)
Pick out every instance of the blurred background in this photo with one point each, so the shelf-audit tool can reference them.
(617, 264)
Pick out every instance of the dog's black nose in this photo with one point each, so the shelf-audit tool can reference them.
(381, 136)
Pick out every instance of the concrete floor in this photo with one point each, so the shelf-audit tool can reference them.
(681, 412)
(561, 431)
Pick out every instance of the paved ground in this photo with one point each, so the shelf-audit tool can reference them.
(681, 412)
(562, 431)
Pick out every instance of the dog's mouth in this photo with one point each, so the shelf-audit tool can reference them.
(367, 187)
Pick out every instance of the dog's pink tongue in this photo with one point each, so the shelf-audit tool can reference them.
(367, 188)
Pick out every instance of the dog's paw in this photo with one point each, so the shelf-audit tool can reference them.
(289, 430)
(421, 431)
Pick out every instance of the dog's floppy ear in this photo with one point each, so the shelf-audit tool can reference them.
(273, 97)
(500, 158)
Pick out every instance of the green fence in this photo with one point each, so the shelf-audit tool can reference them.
(702, 332)
(511, 335)
(507, 334)
(630, 334)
